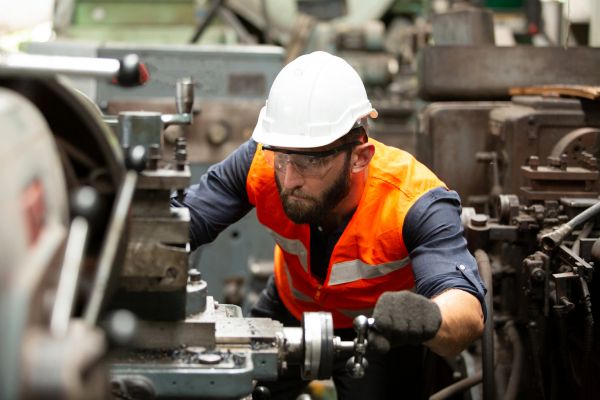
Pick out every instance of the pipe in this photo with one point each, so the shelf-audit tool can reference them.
(487, 373)
(517, 365)
(553, 239)
(487, 348)
(457, 387)
(203, 24)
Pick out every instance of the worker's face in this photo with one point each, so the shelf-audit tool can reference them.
(308, 198)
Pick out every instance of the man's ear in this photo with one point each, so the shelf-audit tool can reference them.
(361, 156)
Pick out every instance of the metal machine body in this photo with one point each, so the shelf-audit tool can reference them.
(530, 207)
(230, 86)
(44, 163)
(533, 163)
(62, 270)
(186, 344)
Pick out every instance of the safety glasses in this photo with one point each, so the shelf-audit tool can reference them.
(308, 164)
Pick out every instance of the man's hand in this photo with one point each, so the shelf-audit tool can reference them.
(403, 318)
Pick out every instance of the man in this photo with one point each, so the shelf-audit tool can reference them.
(360, 228)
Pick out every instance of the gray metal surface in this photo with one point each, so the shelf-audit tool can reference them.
(231, 378)
(231, 73)
(220, 72)
(487, 72)
(463, 26)
(452, 131)
(139, 128)
(532, 126)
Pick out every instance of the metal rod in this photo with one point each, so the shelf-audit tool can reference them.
(458, 387)
(517, 365)
(110, 247)
(487, 348)
(52, 65)
(553, 239)
(69, 276)
(176, 119)
(210, 14)
(240, 30)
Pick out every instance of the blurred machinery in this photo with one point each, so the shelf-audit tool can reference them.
(531, 203)
(115, 244)
(232, 81)
(530, 216)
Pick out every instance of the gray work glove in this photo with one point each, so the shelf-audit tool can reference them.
(403, 318)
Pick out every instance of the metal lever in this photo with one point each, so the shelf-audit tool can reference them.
(357, 364)
(128, 71)
(136, 161)
(184, 102)
(85, 208)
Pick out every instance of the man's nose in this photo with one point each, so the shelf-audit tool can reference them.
(292, 178)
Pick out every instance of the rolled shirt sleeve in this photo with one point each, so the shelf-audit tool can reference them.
(433, 236)
(220, 197)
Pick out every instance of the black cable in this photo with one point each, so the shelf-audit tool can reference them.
(487, 347)
(212, 11)
(517, 365)
(457, 387)
(553, 239)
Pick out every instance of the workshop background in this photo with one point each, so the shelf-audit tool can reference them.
(100, 295)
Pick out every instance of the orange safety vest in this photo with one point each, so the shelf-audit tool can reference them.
(370, 256)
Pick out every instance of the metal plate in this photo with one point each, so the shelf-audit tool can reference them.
(487, 72)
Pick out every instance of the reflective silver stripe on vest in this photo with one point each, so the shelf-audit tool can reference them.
(367, 312)
(295, 292)
(350, 271)
(292, 246)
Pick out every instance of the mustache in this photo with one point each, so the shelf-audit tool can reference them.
(296, 192)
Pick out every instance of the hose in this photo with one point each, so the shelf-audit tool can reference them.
(487, 348)
(457, 387)
(553, 239)
(517, 365)
(487, 373)
(203, 24)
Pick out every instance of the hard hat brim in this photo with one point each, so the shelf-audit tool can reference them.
(304, 140)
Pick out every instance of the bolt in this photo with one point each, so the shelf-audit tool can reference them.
(154, 157)
(538, 274)
(180, 143)
(479, 220)
(564, 161)
(554, 161)
(534, 162)
(194, 275)
(180, 159)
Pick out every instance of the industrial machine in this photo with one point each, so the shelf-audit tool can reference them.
(524, 125)
(97, 296)
(540, 246)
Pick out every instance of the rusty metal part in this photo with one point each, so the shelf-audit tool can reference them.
(576, 141)
(215, 133)
(581, 91)
(492, 71)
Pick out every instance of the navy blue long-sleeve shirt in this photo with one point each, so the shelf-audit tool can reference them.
(432, 231)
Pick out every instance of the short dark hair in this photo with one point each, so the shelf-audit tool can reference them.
(358, 134)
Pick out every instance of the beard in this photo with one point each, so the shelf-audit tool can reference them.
(310, 209)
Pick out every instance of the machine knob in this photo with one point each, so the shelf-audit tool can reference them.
(261, 393)
(135, 158)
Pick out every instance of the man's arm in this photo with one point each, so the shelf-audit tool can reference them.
(462, 322)
(220, 198)
(444, 269)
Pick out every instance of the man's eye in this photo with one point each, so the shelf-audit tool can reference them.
(313, 161)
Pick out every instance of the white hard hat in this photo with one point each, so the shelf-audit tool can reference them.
(314, 100)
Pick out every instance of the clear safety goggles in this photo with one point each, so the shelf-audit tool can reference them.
(308, 164)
